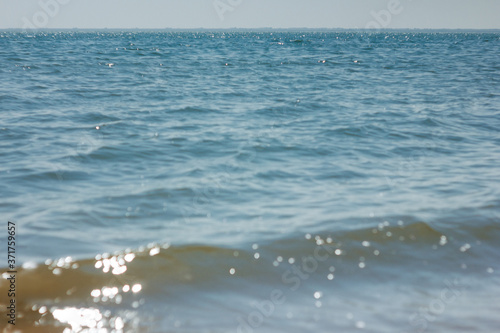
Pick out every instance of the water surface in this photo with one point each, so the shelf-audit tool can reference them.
(253, 182)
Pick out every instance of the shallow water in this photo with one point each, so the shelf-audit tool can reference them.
(252, 182)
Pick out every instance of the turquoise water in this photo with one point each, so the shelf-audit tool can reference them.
(259, 182)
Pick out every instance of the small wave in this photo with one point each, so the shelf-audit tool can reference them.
(191, 110)
(113, 284)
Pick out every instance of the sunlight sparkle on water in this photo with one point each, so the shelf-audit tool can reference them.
(154, 251)
(136, 288)
(78, 319)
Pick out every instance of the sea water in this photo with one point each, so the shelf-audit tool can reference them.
(252, 181)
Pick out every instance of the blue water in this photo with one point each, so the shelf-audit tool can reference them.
(238, 156)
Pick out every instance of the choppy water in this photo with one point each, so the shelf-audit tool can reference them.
(252, 182)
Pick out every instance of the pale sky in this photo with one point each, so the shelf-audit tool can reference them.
(157, 14)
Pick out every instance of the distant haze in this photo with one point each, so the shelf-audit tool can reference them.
(157, 14)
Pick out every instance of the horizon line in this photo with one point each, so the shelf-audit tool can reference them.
(262, 29)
